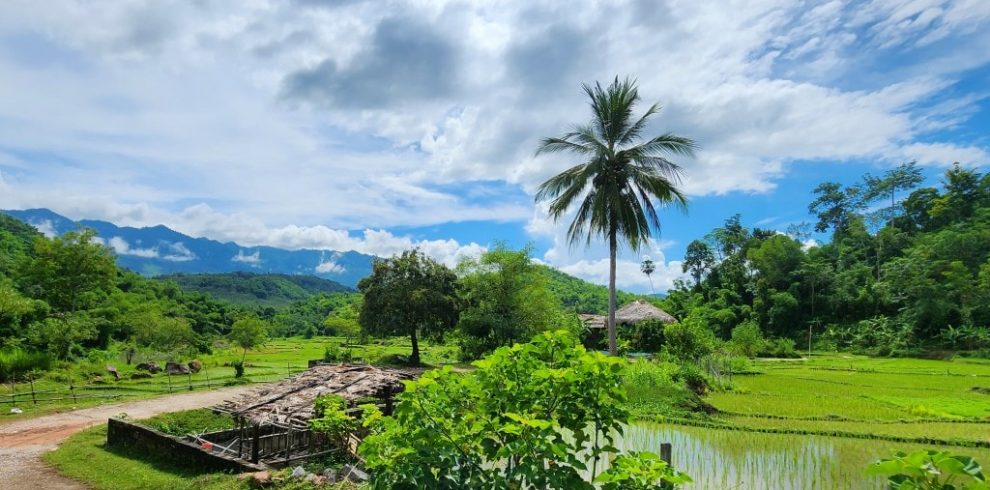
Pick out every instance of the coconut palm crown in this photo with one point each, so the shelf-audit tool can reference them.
(622, 179)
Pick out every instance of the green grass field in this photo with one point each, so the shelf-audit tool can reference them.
(277, 359)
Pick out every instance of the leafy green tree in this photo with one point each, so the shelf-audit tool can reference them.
(62, 335)
(69, 272)
(618, 180)
(690, 339)
(410, 294)
(248, 333)
(504, 300)
(904, 177)
(834, 206)
(698, 260)
(747, 339)
(162, 333)
(530, 416)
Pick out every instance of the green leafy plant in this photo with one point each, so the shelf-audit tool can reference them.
(641, 471)
(540, 415)
(331, 417)
(930, 470)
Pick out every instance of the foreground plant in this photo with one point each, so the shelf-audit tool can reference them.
(930, 470)
(540, 415)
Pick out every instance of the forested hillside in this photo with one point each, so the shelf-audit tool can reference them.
(249, 289)
(578, 295)
(906, 268)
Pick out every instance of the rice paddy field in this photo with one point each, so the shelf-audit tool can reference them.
(817, 423)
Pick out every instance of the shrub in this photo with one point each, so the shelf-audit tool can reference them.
(689, 340)
(693, 378)
(930, 470)
(494, 428)
(781, 348)
(747, 339)
(645, 336)
(331, 353)
(17, 363)
(238, 368)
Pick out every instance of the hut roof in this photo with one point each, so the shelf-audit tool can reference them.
(640, 310)
(630, 313)
(291, 401)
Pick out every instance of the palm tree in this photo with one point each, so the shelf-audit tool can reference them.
(648, 268)
(619, 178)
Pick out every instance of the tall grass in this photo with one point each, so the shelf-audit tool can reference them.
(16, 363)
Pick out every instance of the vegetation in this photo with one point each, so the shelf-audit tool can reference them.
(930, 470)
(410, 294)
(252, 290)
(536, 415)
(622, 178)
(904, 278)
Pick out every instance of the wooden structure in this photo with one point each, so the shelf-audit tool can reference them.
(273, 420)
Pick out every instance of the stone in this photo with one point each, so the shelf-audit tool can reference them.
(316, 480)
(195, 366)
(113, 370)
(298, 472)
(16, 410)
(149, 367)
(353, 474)
(176, 368)
(330, 475)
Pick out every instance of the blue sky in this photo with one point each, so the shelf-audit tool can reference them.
(380, 125)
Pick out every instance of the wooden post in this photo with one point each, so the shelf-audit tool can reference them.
(666, 451)
(169, 381)
(72, 389)
(207, 373)
(255, 447)
(240, 440)
(33, 399)
(288, 443)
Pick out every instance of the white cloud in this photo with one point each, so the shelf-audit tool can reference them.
(328, 266)
(253, 259)
(178, 252)
(45, 227)
(121, 247)
(628, 275)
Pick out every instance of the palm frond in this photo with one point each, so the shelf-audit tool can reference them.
(633, 132)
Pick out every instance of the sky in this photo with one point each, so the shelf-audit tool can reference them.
(378, 125)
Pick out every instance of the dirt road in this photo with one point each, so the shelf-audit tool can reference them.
(23, 442)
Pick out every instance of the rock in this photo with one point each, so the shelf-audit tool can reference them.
(113, 370)
(330, 475)
(353, 474)
(316, 480)
(195, 366)
(298, 472)
(176, 368)
(149, 367)
(140, 375)
(16, 410)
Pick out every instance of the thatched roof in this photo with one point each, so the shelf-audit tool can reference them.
(630, 313)
(291, 401)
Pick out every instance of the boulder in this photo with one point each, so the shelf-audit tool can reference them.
(353, 473)
(176, 368)
(113, 370)
(149, 367)
(298, 472)
(195, 366)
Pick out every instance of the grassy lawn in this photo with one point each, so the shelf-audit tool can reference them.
(275, 360)
(85, 457)
(861, 395)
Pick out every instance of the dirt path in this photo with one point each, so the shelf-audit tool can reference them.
(23, 442)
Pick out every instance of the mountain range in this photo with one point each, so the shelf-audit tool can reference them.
(159, 250)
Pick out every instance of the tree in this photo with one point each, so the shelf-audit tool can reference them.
(248, 333)
(904, 177)
(61, 335)
(411, 294)
(69, 272)
(648, 268)
(504, 300)
(698, 260)
(834, 205)
(618, 180)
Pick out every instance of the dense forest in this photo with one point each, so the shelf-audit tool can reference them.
(907, 269)
(250, 289)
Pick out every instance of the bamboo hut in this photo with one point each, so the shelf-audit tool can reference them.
(630, 314)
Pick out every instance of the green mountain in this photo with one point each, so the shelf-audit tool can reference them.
(249, 289)
(578, 295)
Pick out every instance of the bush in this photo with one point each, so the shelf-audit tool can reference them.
(331, 353)
(747, 339)
(17, 363)
(930, 470)
(693, 378)
(689, 340)
(645, 336)
(238, 369)
(781, 348)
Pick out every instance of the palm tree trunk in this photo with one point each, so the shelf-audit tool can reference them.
(612, 245)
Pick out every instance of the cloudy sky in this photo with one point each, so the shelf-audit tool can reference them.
(380, 125)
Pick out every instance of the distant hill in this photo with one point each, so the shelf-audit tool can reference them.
(249, 289)
(159, 250)
(581, 296)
